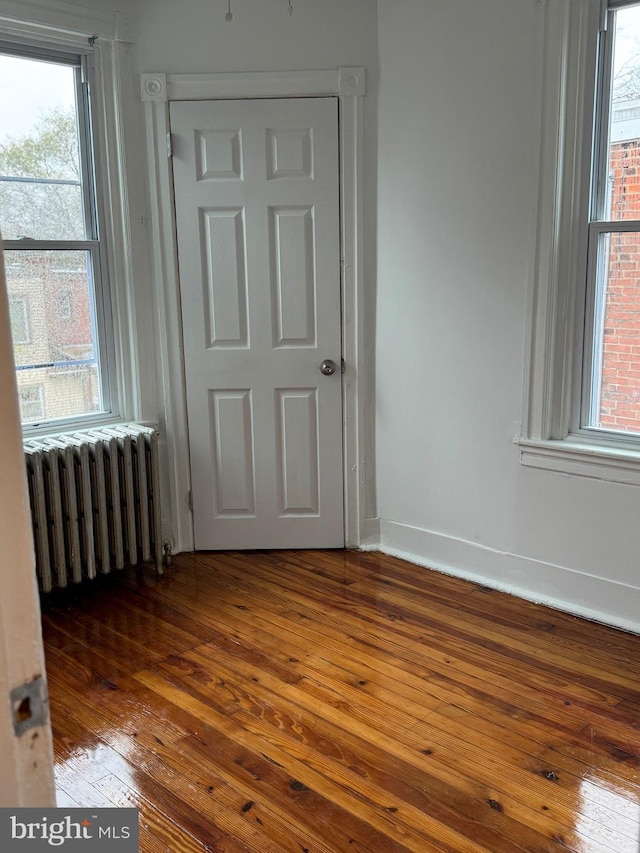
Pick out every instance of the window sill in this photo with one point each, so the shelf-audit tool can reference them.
(52, 430)
(582, 458)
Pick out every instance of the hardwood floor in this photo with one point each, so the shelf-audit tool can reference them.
(337, 701)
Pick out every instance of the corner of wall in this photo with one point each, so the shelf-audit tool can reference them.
(587, 596)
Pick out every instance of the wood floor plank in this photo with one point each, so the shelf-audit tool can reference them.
(395, 768)
(333, 701)
(314, 772)
(358, 732)
(251, 616)
(145, 783)
(281, 585)
(146, 630)
(317, 625)
(457, 623)
(236, 768)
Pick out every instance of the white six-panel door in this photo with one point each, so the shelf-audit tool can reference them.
(257, 212)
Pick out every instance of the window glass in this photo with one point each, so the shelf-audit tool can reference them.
(60, 354)
(623, 191)
(40, 172)
(48, 196)
(612, 383)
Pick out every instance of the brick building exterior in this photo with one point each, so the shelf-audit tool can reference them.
(620, 388)
(51, 324)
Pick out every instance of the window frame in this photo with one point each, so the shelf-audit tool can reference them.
(561, 294)
(599, 225)
(81, 60)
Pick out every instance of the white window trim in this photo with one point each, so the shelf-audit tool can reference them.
(58, 20)
(348, 84)
(553, 369)
(114, 107)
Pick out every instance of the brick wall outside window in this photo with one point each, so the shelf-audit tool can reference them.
(620, 390)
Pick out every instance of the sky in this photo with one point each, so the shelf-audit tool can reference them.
(627, 50)
(42, 86)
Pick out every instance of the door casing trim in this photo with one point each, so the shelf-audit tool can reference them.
(348, 85)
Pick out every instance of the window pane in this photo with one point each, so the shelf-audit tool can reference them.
(60, 352)
(616, 385)
(40, 175)
(623, 190)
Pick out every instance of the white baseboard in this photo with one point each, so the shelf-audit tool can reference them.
(595, 598)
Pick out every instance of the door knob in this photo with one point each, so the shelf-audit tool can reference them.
(327, 367)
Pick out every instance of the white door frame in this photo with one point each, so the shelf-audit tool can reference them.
(348, 85)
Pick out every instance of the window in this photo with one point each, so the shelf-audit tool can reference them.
(65, 305)
(582, 408)
(611, 374)
(51, 225)
(31, 402)
(18, 312)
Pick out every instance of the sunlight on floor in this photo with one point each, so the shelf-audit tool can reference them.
(607, 816)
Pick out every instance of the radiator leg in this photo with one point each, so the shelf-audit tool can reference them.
(163, 558)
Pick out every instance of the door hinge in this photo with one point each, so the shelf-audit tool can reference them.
(343, 365)
(30, 705)
(190, 500)
(169, 145)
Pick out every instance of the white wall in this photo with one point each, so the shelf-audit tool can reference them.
(457, 174)
(192, 36)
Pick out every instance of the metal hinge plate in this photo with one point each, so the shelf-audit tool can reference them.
(29, 705)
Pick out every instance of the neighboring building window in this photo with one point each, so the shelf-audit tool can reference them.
(582, 407)
(50, 222)
(65, 305)
(19, 314)
(31, 402)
